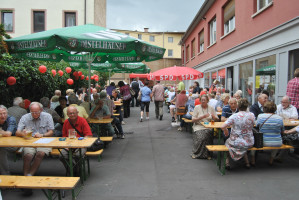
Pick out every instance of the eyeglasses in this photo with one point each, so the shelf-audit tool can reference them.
(35, 112)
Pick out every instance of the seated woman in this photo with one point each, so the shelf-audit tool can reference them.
(271, 125)
(222, 102)
(202, 136)
(190, 106)
(180, 101)
(241, 136)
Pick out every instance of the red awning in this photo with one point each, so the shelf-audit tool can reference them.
(138, 75)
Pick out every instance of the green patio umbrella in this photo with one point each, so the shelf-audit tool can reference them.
(83, 44)
(72, 43)
(268, 70)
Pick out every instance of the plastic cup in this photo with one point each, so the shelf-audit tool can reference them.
(72, 134)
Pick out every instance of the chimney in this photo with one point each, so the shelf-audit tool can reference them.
(146, 30)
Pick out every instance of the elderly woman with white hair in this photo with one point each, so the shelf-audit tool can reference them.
(222, 102)
(238, 94)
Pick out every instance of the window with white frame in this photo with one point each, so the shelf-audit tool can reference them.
(152, 38)
(38, 21)
(69, 19)
(170, 39)
(170, 53)
(7, 20)
(140, 36)
(212, 26)
(229, 17)
(262, 3)
(201, 41)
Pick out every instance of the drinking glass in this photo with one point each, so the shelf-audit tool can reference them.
(72, 134)
(28, 131)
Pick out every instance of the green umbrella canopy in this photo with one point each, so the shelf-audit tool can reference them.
(114, 67)
(268, 70)
(71, 43)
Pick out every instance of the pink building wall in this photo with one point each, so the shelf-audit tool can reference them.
(246, 26)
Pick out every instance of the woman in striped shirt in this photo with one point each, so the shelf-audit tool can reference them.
(271, 125)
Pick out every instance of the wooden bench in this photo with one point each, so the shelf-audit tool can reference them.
(221, 157)
(189, 124)
(51, 184)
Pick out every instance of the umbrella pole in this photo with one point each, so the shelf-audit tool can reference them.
(109, 76)
(89, 82)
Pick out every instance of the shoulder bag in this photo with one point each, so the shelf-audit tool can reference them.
(97, 145)
(132, 92)
(258, 136)
(139, 95)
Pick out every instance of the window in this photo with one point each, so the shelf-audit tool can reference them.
(183, 57)
(170, 39)
(213, 31)
(38, 21)
(265, 71)
(140, 36)
(262, 3)
(152, 38)
(69, 19)
(7, 20)
(170, 53)
(246, 80)
(187, 53)
(127, 33)
(229, 17)
(201, 41)
(193, 48)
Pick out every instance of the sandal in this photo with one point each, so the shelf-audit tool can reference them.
(193, 156)
(227, 165)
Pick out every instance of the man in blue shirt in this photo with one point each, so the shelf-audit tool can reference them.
(229, 109)
(8, 127)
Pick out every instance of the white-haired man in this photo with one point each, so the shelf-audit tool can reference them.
(286, 110)
(17, 110)
(42, 125)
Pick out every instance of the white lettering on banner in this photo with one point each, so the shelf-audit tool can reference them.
(37, 55)
(90, 44)
(122, 59)
(31, 44)
(161, 78)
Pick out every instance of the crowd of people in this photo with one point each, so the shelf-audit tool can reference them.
(56, 115)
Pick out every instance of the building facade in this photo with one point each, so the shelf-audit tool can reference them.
(30, 16)
(248, 45)
(168, 40)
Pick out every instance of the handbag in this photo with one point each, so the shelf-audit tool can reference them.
(139, 96)
(258, 136)
(132, 92)
(97, 145)
(181, 110)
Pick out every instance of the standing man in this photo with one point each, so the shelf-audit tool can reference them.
(18, 109)
(293, 90)
(8, 128)
(42, 125)
(158, 94)
(135, 86)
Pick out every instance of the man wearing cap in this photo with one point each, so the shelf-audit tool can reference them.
(8, 128)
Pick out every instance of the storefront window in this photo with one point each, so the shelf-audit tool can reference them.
(221, 77)
(266, 75)
(246, 80)
(207, 78)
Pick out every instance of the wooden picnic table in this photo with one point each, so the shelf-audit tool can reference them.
(100, 121)
(51, 142)
(117, 103)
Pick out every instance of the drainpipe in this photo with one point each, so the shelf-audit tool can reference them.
(84, 11)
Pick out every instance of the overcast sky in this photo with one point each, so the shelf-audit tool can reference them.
(157, 15)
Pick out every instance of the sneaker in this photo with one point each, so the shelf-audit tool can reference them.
(123, 136)
(157, 117)
(123, 123)
(147, 118)
(173, 119)
(141, 119)
(161, 116)
(180, 129)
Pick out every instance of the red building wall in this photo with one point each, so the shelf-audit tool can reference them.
(246, 26)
